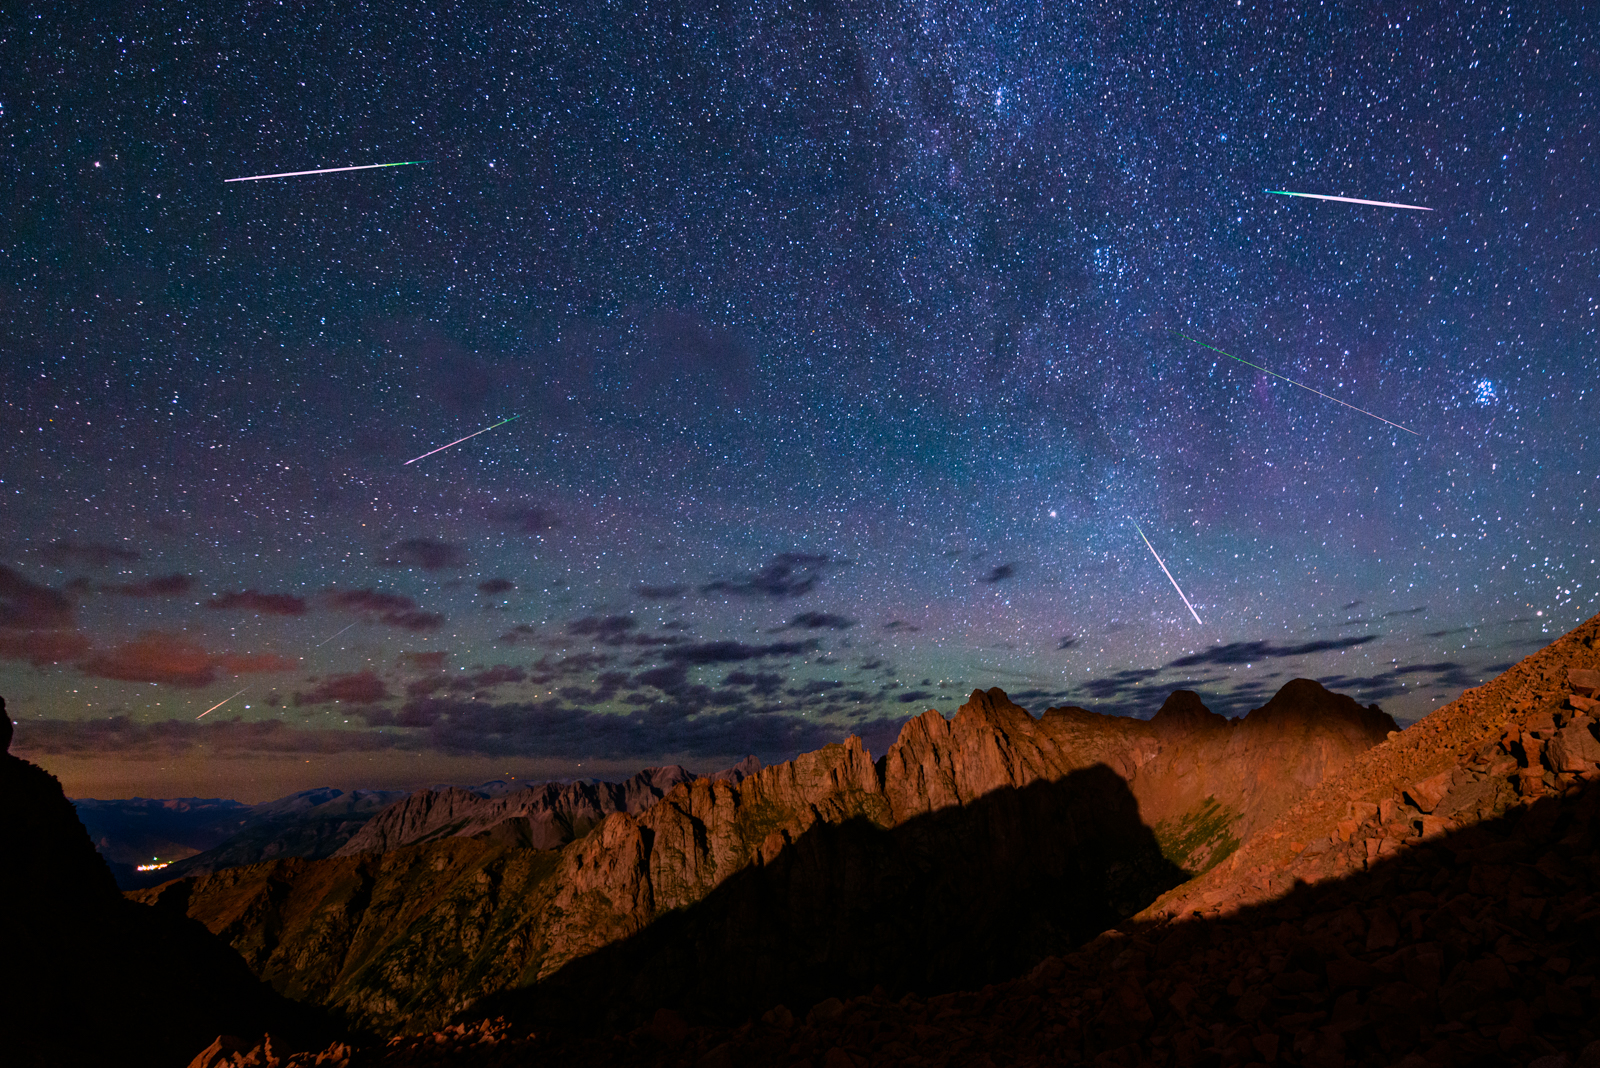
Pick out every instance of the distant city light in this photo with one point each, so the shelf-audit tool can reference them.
(152, 867)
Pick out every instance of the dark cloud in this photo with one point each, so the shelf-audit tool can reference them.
(1446, 675)
(1448, 633)
(429, 661)
(496, 586)
(26, 605)
(762, 682)
(555, 729)
(1067, 642)
(900, 624)
(487, 678)
(41, 647)
(1352, 604)
(425, 553)
(164, 586)
(36, 622)
(912, 696)
(518, 634)
(1406, 611)
(669, 678)
(271, 604)
(814, 687)
(785, 575)
(1253, 652)
(359, 688)
(617, 631)
(730, 652)
(86, 554)
(226, 737)
(390, 608)
(1000, 573)
(660, 593)
(605, 630)
(546, 669)
(820, 621)
(176, 661)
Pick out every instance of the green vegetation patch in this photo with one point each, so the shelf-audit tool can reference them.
(1200, 839)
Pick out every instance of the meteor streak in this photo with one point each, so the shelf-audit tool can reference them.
(1164, 570)
(326, 170)
(326, 640)
(458, 441)
(1348, 200)
(219, 704)
(1292, 382)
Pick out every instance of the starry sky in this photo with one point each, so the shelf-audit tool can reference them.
(846, 344)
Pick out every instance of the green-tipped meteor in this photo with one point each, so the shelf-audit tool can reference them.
(458, 441)
(1164, 571)
(1349, 200)
(1292, 382)
(327, 170)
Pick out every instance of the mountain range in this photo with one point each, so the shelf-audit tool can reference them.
(1306, 884)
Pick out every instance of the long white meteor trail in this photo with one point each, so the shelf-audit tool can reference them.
(1292, 382)
(458, 441)
(1164, 570)
(1349, 200)
(326, 170)
(219, 704)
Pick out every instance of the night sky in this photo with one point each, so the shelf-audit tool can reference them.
(843, 342)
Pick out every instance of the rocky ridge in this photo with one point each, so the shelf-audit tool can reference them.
(408, 938)
(544, 816)
(1435, 902)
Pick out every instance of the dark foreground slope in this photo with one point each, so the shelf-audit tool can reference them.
(88, 977)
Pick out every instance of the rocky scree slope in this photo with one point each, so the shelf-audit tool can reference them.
(407, 939)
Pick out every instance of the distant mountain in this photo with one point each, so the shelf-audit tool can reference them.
(544, 816)
(316, 823)
(971, 850)
(197, 837)
(144, 831)
(194, 836)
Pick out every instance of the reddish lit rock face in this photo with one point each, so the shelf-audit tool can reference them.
(413, 935)
(546, 816)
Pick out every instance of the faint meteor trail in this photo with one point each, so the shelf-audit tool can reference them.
(219, 704)
(1292, 382)
(458, 441)
(330, 638)
(1164, 570)
(326, 170)
(1348, 200)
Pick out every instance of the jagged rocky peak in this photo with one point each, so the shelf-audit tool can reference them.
(543, 815)
(1183, 712)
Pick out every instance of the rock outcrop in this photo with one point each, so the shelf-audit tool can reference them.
(89, 977)
(412, 936)
(544, 816)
